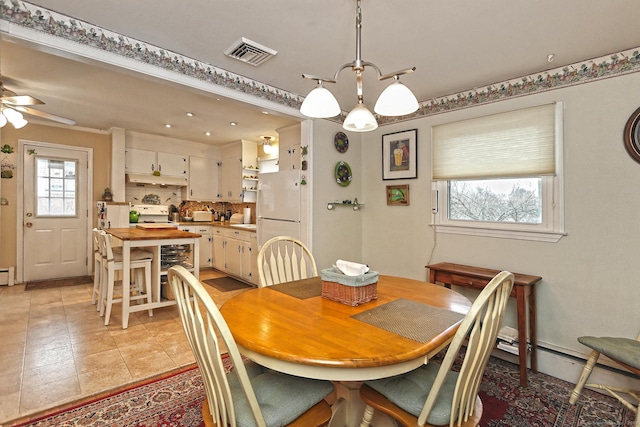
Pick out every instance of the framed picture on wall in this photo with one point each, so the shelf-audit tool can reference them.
(398, 195)
(399, 155)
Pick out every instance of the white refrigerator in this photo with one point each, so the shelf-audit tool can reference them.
(278, 205)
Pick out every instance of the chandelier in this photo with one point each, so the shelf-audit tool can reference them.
(395, 100)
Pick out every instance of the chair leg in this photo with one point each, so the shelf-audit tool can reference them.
(95, 295)
(367, 417)
(103, 291)
(110, 283)
(586, 372)
(147, 286)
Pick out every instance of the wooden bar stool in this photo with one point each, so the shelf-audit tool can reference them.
(112, 261)
(97, 269)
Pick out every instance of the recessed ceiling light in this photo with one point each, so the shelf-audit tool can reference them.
(233, 123)
(189, 114)
(265, 112)
(208, 133)
(167, 125)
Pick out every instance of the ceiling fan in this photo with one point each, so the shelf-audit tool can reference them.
(13, 105)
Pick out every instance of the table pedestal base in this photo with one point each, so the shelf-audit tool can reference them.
(348, 408)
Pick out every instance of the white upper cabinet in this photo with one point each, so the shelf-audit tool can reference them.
(231, 172)
(239, 172)
(203, 180)
(148, 162)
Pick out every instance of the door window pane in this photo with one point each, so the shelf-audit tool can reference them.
(56, 187)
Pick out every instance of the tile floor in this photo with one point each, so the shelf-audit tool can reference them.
(55, 347)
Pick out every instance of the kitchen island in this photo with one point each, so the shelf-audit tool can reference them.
(151, 239)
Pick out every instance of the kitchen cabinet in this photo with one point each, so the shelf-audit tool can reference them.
(218, 243)
(249, 259)
(147, 162)
(239, 160)
(235, 252)
(203, 180)
(205, 252)
(231, 172)
(289, 147)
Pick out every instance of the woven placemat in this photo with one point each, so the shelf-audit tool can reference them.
(301, 289)
(410, 319)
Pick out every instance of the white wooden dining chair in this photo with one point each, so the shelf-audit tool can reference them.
(250, 395)
(623, 351)
(140, 289)
(434, 394)
(284, 259)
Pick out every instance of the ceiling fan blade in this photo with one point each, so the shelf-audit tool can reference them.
(21, 100)
(44, 115)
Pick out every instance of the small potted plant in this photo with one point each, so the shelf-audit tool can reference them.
(107, 196)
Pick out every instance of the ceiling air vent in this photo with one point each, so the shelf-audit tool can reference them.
(249, 51)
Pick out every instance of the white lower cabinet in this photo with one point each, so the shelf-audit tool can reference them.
(205, 255)
(235, 253)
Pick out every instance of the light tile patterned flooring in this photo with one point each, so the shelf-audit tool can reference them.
(54, 347)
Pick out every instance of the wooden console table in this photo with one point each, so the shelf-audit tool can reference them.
(523, 290)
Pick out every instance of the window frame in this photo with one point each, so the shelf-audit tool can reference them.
(551, 229)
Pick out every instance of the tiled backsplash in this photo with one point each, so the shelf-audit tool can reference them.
(221, 207)
(172, 196)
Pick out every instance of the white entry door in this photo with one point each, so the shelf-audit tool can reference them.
(55, 212)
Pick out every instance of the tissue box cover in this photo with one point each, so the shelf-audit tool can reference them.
(349, 290)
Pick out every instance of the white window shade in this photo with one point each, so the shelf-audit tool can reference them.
(512, 144)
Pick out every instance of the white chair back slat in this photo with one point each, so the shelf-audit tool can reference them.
(284, 259)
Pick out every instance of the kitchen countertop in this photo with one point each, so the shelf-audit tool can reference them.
(225, 224)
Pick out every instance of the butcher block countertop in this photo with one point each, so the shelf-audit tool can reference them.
(150, 234)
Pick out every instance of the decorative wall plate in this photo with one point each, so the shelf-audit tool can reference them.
(341, 142)
(631, 135)
(343, 173)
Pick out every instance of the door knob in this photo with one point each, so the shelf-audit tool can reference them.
(29, 224)
(29, 215)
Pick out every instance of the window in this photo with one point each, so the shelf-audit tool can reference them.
(56, 187)
(500, 175)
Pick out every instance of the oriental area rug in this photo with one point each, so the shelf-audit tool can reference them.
(175, 399)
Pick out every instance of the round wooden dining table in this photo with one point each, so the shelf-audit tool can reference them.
(304, 334)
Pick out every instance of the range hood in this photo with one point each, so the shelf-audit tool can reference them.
(148, 179)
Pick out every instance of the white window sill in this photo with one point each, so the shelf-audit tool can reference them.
(538, 236)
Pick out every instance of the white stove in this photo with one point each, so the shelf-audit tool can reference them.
(152, 213)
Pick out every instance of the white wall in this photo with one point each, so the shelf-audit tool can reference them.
(337, 233)
(590, 276)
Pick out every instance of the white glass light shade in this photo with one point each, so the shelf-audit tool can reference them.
(266, 147)
(19, 123)
(396, 100)
(320, 104)
(3, 120)
(11, 114)
(360, 119)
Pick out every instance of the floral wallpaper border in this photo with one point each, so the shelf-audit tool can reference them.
(43, 20)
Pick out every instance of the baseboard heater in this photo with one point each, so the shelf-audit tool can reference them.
(6, 276)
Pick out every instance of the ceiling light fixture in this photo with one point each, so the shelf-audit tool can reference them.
(189, 114)
(395, 100)
(266, 145)
(12, 116)
(233, 123)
